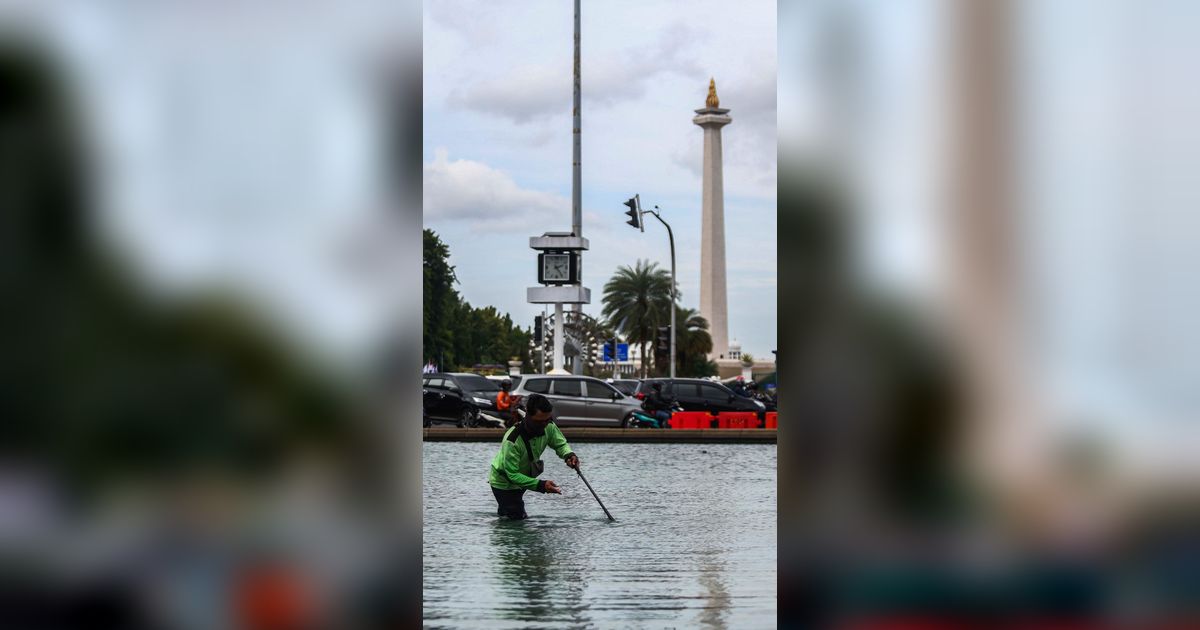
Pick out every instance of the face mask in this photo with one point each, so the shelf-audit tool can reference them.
(534, 428)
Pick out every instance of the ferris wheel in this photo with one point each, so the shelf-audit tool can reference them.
(583, 339)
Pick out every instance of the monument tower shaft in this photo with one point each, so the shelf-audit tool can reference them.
(713, 306)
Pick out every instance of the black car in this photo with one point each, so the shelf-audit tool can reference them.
(457, 398)
(696, 394)
(627, 386)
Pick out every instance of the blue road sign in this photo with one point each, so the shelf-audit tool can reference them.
(622, 352)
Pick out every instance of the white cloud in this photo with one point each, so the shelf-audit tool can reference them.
(534, 91)
(465, 190)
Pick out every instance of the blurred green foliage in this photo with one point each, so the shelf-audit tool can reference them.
(97, 381)
(869, 380)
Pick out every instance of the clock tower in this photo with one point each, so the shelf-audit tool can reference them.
(559, 274)
(560, 263)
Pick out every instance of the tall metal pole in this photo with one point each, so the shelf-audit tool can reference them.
(616, 363)
(558, 339)
(577, 153)
(576, 183)
(671, 237)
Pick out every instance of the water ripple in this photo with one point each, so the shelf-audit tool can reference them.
(694, 543)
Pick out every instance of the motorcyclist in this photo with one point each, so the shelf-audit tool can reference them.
(505, 403)
(739, 387)
(658, 404)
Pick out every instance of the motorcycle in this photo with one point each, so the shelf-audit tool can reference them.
(487, 420)
(647, 420)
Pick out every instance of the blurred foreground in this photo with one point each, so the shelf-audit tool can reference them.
(185, 444)
(990, 380)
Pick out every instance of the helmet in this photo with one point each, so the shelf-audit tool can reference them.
(741, 379)
(752, 385)
(656, 386)
(506, 384)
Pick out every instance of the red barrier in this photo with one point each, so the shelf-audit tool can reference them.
(737, 420)
(689, 420)
(772, 420)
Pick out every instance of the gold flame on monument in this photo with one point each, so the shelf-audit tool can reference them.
(712, 100)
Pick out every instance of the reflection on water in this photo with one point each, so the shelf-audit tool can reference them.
(694, 544)
(530, 574)
(714, 614)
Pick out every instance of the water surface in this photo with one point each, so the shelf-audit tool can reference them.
(693, 545)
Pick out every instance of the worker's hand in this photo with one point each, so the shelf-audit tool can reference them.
(552, 487)
(572, 461)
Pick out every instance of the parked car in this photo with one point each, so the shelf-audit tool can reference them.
(696, 394)
(456, 397)
(581, 400)
(626, 386)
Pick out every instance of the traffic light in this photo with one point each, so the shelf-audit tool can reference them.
(662, 346)
(609, 354)
(537, 329)
(635, 215)
(664, 339)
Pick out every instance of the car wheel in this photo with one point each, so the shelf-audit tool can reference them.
(425, 421)
(626, 421)
(466, 418)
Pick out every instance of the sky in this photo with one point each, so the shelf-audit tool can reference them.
(239, 147)
(497, 143)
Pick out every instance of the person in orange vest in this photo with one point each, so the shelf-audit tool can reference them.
(504, 403)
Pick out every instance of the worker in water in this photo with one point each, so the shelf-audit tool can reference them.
(517, 466)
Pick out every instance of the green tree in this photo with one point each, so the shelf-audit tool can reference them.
(457, 335)
(442, 306)
(692, 344)
(637, 301)
(99, 382)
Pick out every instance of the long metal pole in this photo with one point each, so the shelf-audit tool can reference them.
(577, 153)
(671, 237)
(577, 165)
(616, 363)
(558, 339)
(589, 487)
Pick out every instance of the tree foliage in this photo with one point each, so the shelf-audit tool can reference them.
(636, 302)
(692, 344)
(456, 335)
(101, 383)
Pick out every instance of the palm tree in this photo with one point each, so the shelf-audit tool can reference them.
(692, 341)
(636, 301)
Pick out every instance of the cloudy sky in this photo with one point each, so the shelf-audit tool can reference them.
(497, 145)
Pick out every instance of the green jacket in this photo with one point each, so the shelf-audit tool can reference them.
(512, 467)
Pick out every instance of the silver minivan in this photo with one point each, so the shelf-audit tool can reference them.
(581, 400)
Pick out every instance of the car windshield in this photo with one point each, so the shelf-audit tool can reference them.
(626, 387)
(478, 384)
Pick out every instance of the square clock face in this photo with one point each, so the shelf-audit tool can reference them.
(556, 267)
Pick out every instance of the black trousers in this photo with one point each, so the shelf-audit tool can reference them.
(511, 504)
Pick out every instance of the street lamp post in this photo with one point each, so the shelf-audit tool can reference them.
(671, 237)
(635, 213)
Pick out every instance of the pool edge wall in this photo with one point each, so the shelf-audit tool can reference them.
(584, 434)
